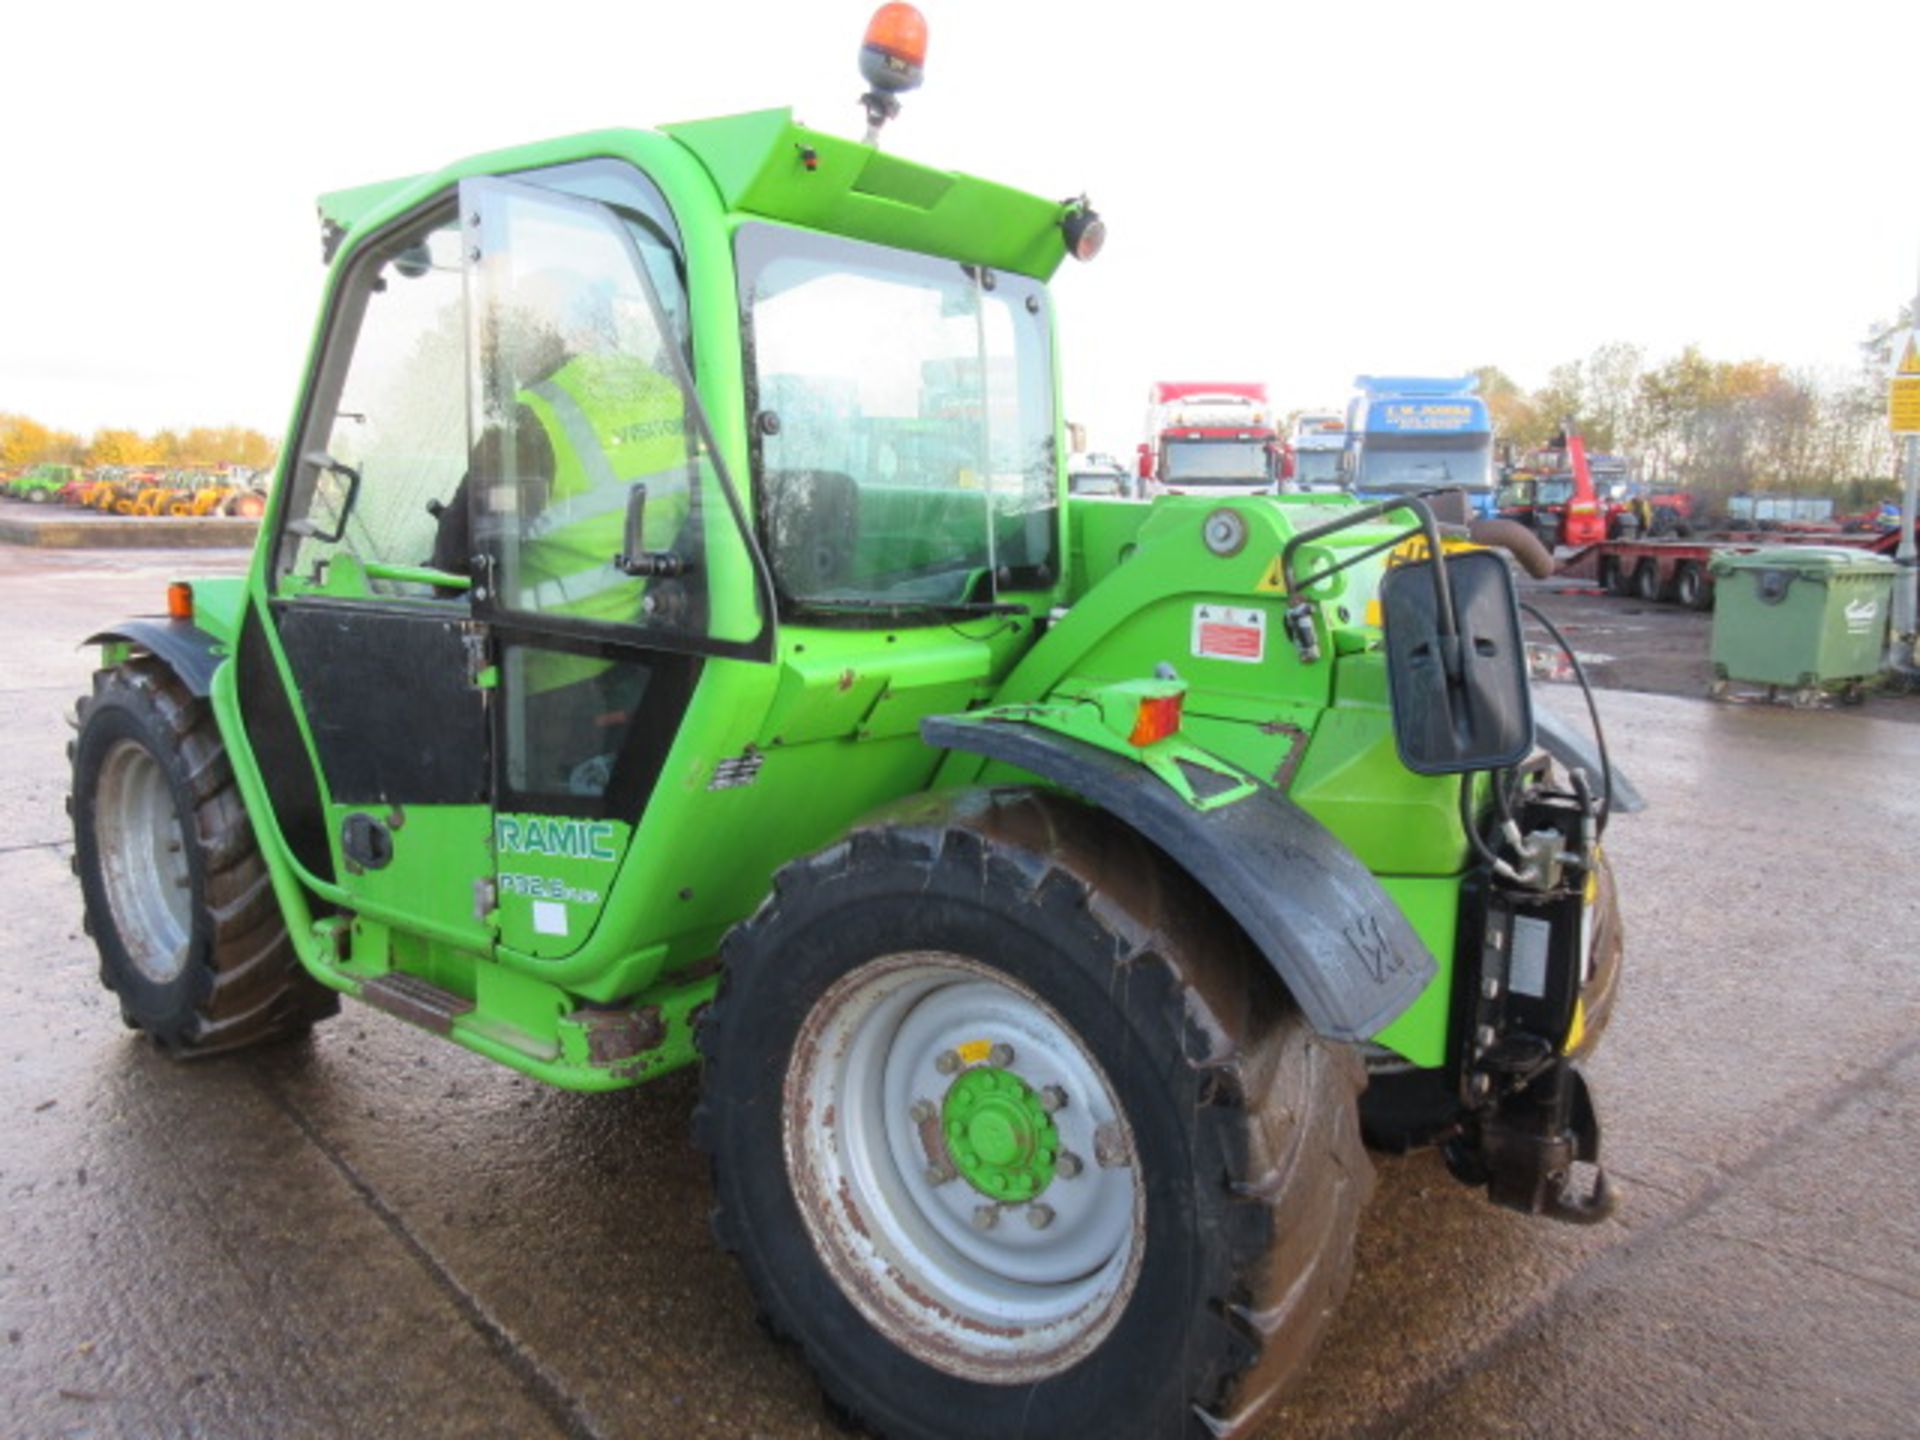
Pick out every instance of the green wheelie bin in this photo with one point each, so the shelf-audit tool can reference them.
(1805, 617)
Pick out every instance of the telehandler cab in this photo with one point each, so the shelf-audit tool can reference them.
(671, 639)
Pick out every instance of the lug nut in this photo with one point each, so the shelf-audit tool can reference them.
(1068, 1165)
(1483, 1037)
(1053, 1098)
(1110, 1149)
(1001, 1055)
(922, 1111)
(985, 1217)
(1480, 1085)
(1039, 1216)
(1491, 989)
(946, 1062)
(937, 1175)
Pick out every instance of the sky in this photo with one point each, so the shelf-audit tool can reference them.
(1294, 193)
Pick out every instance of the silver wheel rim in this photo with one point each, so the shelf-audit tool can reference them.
(1008, 1300)
(143, 861)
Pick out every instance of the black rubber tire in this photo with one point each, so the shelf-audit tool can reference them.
(1690, 587)
(241, 983)
(1244, 1121)
(1617, 579)
(1646, 581)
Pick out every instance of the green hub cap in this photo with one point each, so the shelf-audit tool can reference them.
(1000, 1136)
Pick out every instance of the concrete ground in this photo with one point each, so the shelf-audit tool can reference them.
(1658, 648)
(373, 1233)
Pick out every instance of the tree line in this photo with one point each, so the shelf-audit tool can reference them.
(1717, 427)
(25, 441)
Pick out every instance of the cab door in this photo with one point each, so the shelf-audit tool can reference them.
(486, 694)
(381, 652)
(611, 557)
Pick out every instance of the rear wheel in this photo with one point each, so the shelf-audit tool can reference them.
(1617, 579)
(1690, 586)
(1012, 1134)
(177, 896)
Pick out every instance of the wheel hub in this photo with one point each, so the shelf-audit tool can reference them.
(902, 1083)
(1001, 1139)
(143, 861)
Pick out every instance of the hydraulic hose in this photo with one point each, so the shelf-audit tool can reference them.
(1593, 713)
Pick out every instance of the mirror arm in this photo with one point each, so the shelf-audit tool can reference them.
(1300, 612)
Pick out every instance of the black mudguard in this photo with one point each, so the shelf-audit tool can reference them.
(1340, 944)
(190, 652)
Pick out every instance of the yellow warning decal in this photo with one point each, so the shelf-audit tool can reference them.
(1903, 404)
(1415, 549)
(975, 1051)
(1910, 362)
(1274, 582)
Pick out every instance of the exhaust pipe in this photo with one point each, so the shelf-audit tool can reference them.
(1518, 541)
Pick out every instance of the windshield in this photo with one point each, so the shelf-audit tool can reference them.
(903, 419)
(1216, 462)
(1411, 462)
(1316, 467)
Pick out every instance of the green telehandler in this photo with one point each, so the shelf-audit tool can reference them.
(41, 484)
(671, 641)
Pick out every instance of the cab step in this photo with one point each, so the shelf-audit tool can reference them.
(418, 1001)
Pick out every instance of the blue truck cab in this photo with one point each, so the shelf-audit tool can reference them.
(1412, 432)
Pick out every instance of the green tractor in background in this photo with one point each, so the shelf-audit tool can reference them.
(671, 640)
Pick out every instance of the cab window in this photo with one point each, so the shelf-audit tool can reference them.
(385, 445)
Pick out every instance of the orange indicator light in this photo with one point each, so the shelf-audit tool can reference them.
(1156, 720)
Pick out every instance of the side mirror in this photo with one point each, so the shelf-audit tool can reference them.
(1459, 685)
(335, 489)
(413, 262)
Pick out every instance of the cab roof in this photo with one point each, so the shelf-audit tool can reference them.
(766, 165)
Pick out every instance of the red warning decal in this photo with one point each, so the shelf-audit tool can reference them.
(1226, 632)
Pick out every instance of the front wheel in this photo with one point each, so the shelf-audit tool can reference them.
(1013, 1134)
(177, 895)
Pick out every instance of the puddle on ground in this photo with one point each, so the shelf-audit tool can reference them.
(1549, 662)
